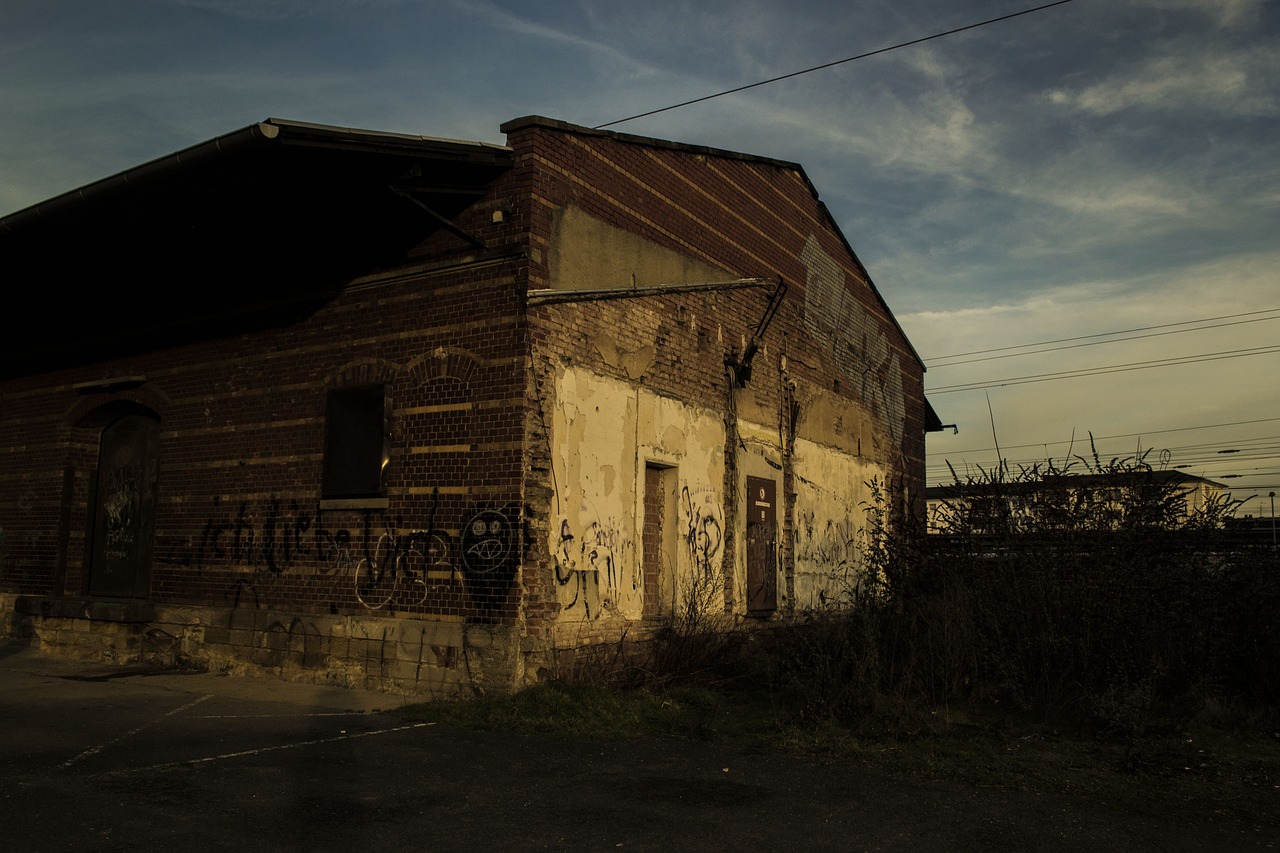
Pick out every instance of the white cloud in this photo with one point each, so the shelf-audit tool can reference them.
(1235, 84)
(1224, 13)
(1239, 283)
(524, 26)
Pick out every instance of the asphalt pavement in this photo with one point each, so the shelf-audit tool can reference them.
(96, 757)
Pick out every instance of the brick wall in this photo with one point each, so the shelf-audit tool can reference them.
(750, 216)
(461, 537)
(240, 520)
(832, 335)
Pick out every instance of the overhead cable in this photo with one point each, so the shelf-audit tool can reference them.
(1102, 335)
(934, 366)
(830, 64)
(1113, 368)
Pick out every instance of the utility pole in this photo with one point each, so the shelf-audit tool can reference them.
(1273, 520)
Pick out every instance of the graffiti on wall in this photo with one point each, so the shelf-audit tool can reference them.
(590, 565)
(385, 564)
(582, 584)
(395, 570)
(120, 502)
(488, 548)
(853, 338)
(702, 528)
(829, 548)
(270, 539)
(597, 562)
(370, 646)
(488, 541)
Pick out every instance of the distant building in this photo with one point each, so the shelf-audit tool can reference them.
(992, 507)
(428, 415)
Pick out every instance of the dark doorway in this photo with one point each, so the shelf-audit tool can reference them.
(124, 508)
(657, 532)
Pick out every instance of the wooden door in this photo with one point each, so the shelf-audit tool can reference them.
(762, 545)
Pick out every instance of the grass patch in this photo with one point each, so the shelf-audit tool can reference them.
(1217, 771)
(584, 711)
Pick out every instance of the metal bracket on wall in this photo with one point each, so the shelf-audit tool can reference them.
(742, 366)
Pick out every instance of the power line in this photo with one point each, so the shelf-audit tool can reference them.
(1238, 449)
(1142, 434)
(1098, 371)
(830, 64)
(963, 468)
(1208, 470)
(933, 366)
(1105, 334)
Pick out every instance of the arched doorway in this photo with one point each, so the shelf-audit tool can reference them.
(124, 501)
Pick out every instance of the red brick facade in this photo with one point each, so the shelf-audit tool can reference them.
(445, 580)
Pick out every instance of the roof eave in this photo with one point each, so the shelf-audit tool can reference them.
(270, 131)
(139, 176)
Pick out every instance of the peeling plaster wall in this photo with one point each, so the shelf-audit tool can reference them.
(588, 254)
(834, 398)
(826, 518)
(604, 431)
(832, 494)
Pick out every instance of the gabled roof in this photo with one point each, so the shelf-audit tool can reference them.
(267, 219)
(706, 151)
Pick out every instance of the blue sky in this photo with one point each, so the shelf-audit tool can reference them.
(1096, 167)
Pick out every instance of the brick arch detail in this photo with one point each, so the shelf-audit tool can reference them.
(369, 371)
(445, 363)
(84, 411)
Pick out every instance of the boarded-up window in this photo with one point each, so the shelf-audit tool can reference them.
(355, 442)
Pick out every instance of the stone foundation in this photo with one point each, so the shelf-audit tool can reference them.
(411, 657)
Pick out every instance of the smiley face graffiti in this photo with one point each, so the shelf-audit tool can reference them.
(488, 541)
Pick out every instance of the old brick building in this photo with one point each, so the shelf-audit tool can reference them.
(423, 414)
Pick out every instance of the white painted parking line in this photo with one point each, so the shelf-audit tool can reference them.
(301, 714)
(191, 762)
(94, 750)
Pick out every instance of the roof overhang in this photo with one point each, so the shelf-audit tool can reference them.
(252, 227)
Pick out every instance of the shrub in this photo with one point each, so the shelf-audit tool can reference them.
(1090, 587)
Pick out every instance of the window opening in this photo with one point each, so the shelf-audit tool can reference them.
(356, 450)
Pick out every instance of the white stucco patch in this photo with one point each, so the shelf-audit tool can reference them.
(604, 432)
(830, 515)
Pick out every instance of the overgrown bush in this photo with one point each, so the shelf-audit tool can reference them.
(1085, 590)
(699, 643)
(1093, 589)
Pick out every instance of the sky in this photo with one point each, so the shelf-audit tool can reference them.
(1084, 199)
